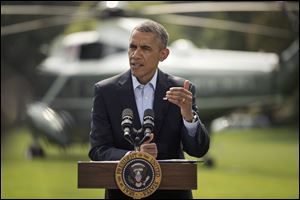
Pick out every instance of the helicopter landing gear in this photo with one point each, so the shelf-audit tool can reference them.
(209, 162)
(35, 151)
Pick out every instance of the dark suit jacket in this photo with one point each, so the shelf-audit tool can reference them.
(115, 94)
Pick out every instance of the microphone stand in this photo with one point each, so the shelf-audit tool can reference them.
(136, 140)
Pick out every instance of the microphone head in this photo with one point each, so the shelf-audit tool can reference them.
(149, 113)
(127, 116)
(127, 112)
(149, 119)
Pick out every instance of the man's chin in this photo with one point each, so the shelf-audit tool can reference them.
(134, 71)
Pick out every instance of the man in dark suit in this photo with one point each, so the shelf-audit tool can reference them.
(177, 127)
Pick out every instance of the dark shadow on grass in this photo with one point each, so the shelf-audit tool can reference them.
(63, 157)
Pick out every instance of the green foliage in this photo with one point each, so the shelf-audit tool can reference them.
(84, 24)
(270, 44)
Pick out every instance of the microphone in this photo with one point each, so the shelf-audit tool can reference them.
(127, 117)
(148, 125)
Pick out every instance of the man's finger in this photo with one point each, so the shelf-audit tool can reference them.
(186, 84)
(149, 140)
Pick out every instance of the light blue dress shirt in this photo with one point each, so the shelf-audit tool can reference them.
(144, 97)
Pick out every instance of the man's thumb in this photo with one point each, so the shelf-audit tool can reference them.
(186, 84)
(149, 140)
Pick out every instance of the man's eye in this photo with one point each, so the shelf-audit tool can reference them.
(147, 48)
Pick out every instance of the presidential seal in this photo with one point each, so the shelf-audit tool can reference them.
(138, 175)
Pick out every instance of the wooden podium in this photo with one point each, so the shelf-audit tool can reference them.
(176, 174)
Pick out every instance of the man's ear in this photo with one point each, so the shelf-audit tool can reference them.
(164, 54)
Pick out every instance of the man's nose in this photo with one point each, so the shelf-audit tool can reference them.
(136, 53)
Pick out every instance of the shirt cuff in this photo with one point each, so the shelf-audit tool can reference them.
(192, 127)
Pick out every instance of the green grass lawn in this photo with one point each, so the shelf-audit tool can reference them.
(260, 163)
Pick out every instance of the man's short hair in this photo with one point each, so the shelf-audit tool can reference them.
(156, 28)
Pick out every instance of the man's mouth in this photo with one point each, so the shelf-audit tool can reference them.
(136, 65)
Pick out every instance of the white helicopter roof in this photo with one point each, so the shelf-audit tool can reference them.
(117, 30)
(184, 57)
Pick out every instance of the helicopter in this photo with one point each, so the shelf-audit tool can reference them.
(225, 79)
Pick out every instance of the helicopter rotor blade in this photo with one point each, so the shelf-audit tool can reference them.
(39, 24)
(218, 7)
(38, 10)
(172, 19)
(158, 9)
(226, 25)
(60, 15)
(68, 14)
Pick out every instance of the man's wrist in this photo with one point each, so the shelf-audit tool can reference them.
(191, 119)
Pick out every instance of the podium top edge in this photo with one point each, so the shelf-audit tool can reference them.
(179, 161)
(159, 161)
(92, 161)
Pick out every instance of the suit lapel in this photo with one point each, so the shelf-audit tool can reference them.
(160, 106)
(128, 98)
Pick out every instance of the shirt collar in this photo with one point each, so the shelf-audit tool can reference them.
(152, 82)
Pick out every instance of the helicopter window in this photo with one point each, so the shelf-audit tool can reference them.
(97, 50)
(91, 51)
(119, 49)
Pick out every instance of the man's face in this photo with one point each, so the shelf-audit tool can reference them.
(144, 54)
